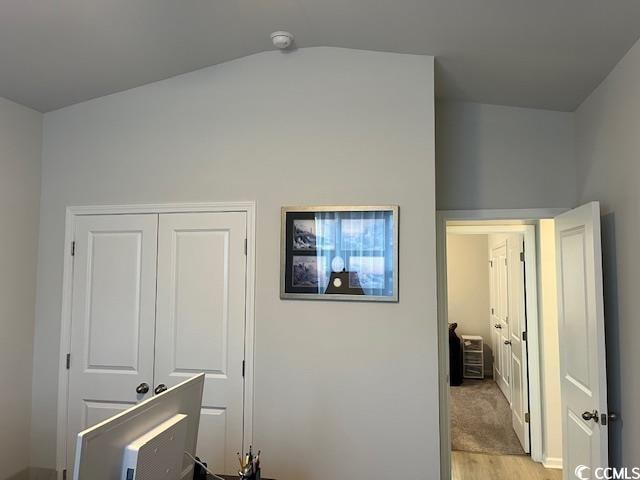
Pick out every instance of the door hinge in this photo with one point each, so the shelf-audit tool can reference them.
(73, 248)
(491, 263)
(526, 417)
(246, 246)
(492, 311)
(505, 262)
(64, 474)
(522, 256)
(243, 367)
(68, 361)
(524, 336)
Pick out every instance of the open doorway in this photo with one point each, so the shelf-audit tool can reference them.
(564, 246)
(503, 388)
(489, 375)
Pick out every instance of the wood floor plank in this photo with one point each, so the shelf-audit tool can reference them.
(480, 466)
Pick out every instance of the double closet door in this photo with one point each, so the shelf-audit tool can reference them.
(157, 299)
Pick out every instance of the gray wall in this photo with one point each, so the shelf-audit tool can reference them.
(608, 141)
(342, 390)
(468, 289)
(489, 156)
(20, 153)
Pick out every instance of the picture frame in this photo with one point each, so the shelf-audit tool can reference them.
(340, 253)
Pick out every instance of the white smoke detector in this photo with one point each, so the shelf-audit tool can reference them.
(282, 40)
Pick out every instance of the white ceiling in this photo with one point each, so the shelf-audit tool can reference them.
(535, 53)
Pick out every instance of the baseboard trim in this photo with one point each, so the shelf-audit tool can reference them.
(552, 462)
(22, 475)
(34, 474)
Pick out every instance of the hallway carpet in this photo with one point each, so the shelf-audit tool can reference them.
(481, 419)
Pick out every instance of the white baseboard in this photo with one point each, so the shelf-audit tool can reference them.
(552, 462)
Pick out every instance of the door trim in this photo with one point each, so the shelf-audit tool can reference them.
(67, 283)
(509, 218)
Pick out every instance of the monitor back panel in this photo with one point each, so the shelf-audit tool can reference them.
(158, 455)
(100, 449)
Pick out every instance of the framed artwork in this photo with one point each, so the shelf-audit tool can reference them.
(340, 253)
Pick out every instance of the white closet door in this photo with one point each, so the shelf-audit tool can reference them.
(113, 318)
(201, 322)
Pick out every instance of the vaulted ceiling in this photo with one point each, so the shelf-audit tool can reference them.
(534, 53)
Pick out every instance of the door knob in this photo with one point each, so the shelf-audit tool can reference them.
(590, 416)
(497, 325)
(142, 388)
(160, 388)
(507, 342)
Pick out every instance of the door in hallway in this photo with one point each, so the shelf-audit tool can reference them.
(500, 318)
(516, 344)
(508, 321)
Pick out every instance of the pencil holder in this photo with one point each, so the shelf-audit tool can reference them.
(250, 474)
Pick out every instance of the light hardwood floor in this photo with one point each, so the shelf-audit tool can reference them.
(480, 466)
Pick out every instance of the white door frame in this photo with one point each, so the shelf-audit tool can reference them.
(521, 221)
(67, 284)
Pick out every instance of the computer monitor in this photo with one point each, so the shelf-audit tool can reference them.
(102, 450)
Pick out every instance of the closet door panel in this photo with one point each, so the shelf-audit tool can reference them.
(112, 318)
(201, 322)
(201, 290)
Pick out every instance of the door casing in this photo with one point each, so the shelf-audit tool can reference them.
(513, 220)
(249, 207)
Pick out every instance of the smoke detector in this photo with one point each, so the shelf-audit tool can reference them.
(282, 40)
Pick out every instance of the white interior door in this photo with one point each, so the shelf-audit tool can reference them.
(201, 322)
(501, 350)
(517, 345)
(112, 318)
(583, 373)
(494, 298)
